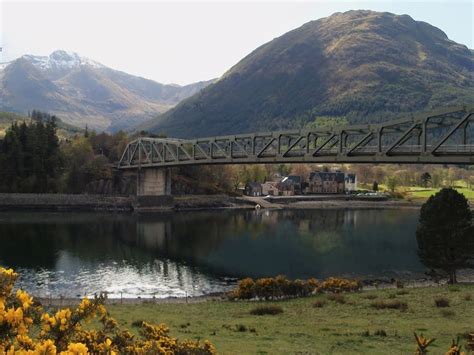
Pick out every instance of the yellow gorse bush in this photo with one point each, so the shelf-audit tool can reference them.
(280, 287)
(339, 285)
(26, 329)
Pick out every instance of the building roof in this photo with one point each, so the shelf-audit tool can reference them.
(351, 178)
(292, 179)
(253, 185)
(327, 176)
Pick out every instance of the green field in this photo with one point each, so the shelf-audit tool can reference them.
(425, 193)
(332, 329)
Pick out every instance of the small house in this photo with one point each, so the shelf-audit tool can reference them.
(269, 188)
(350, 182)
(253, 189)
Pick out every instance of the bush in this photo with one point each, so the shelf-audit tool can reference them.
(273, 288)
(370, 296)
(246, 289)
(467, 297)
(402, 292)
(390, 304)
(266, 310)
(280, 287)
(319, 303)
(339, 285)
(137, 323)
(336, 297)
(399, 284)
(470, 343)
(447, 313)
(26, 328)
(380, 333)
(441, 302)
(241, 328)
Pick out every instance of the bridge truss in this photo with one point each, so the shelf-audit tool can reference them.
(441, 137)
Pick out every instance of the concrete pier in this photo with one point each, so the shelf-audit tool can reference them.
(153, 182)
(154, 189)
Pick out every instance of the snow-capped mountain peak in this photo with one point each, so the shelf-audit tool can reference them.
(58, 60)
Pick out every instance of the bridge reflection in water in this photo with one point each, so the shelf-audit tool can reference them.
(201, 252)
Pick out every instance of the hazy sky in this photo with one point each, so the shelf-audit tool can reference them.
(184, 42)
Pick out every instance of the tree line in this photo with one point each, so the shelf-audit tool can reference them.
(33, 159)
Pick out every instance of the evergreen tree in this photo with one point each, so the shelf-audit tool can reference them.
(375, 186)
(445, 234)
(425, 179)
(30, 156)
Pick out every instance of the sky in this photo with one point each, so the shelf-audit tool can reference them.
(184, 42)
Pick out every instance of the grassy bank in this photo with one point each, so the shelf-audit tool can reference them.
(350, 325)
(421, 193)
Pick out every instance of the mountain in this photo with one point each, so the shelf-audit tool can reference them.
(358, 66)
(82, 91)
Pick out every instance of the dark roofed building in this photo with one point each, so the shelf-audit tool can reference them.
(253, 189)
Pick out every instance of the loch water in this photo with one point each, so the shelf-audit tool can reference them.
(201, 252)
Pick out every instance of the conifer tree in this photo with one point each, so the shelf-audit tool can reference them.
(445, 234)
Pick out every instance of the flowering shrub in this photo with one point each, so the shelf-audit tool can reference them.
(281, 287)
(340, 285)
(273, 288)
(26, 329)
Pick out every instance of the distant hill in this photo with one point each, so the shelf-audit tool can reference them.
(82, 91)
(357, 66)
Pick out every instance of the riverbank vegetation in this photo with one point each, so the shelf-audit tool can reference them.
(321, 323)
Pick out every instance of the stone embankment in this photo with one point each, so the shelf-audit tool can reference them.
(86, 202)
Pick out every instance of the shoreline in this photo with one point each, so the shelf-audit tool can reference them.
(222, 296)
(127, 204)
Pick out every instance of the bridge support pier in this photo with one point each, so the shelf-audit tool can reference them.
(154, 189)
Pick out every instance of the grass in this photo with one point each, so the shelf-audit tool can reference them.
(421, 193)
(335, 328)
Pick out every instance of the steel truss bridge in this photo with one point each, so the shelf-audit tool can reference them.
(441, 137)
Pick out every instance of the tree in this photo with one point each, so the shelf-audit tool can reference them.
(445, 233)
(375, 186)
(392, 183)
(425, 179)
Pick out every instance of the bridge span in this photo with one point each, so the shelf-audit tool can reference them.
(445, 136)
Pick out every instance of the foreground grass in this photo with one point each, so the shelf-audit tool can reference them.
(336, 327)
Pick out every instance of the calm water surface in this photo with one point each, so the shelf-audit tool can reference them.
(196, 253)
